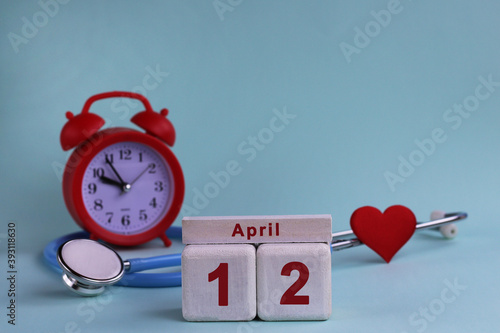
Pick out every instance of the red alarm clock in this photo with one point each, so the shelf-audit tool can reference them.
(123, 186)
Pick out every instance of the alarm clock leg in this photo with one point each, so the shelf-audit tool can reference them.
(166, 240)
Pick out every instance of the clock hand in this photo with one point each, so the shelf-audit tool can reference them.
(125, 186)
(110, 181)
(122, 183)
(128, 187)
(140, 175)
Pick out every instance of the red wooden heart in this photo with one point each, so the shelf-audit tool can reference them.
(384, 233)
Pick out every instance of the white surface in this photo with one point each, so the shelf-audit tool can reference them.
(271, 285)
(256, 229)
(200, 297)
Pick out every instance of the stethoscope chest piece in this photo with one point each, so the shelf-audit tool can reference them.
(89, 266)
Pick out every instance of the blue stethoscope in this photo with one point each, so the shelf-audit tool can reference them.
(89, 266)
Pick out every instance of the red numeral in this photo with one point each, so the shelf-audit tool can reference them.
(222, 274)
(290, 297)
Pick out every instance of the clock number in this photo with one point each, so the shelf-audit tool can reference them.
(152, 168)
(159, 186)
(152, 203)
(109, 157)
(125, 154)
(98, 172)
(126, 220)
(140, 157)
(290, 296)
(110, 216)
(221, 273)
(142, 215)
(92, 188)
(98, 204)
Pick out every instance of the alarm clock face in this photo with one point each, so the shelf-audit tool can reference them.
(127, 188)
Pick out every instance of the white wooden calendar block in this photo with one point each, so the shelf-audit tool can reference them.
(219, 282)
(256, 229)
(294, 281)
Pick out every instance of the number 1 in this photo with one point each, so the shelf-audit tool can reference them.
(221, 273)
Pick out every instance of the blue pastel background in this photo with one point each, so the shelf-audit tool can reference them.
(362, 97)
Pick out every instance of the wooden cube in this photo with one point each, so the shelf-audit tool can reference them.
(294, 281)
(219, 282)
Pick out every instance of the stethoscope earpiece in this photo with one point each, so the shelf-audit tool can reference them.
(88, 266)
(448, 231)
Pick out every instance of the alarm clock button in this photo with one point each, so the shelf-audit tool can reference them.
(79, 128)
(156, 124)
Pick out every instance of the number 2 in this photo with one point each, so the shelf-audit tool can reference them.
(290, 296)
